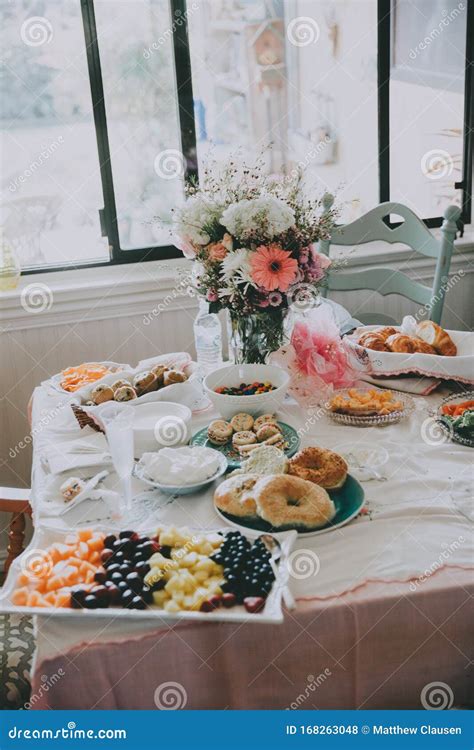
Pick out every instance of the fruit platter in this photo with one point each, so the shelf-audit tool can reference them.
(170, 573)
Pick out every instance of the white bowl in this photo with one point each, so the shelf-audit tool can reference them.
(233, 375)
(160, 424)
(182, 489)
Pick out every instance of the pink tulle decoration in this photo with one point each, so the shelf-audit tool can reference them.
(318, 360)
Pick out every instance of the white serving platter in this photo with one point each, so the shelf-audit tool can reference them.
(44, 536)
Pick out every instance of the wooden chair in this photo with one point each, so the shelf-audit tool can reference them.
(412, 232)
(15, 501)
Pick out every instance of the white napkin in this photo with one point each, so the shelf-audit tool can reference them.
(90, 450)
(419, 386)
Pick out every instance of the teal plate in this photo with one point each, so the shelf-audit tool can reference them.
(233, 457)
(349, 501)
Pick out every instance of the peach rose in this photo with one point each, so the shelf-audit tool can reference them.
(216, 251)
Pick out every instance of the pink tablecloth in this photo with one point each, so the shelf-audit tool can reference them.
(373, 648)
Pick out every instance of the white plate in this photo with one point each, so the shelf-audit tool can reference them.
(44, 536)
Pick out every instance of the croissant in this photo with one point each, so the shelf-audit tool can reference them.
(422, 347)
(373, 341)
(385, 332)
(399, 342)
(437, 337)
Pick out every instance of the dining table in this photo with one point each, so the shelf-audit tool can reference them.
(383, 605)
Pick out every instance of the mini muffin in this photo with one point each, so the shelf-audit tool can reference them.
(219, 432)
(244, 437)
(119, 384)
(71, 488)
(242, 422)
(264, 419)
(144, 382)
(125, 393)
(102, 393)
(173, 376)
(267, 431)
(159, 372)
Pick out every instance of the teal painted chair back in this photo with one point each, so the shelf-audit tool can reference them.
(412, 232)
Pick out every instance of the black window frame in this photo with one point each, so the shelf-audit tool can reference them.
(183, 72)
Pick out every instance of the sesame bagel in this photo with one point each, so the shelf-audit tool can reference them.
(287, 502)
(320, 466)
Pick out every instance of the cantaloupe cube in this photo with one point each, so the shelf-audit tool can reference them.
(20, 597)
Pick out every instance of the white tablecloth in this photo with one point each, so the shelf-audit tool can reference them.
(417, 522)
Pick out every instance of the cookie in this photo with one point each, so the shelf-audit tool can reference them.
(266, 431)
(242, 422)
(244, 437)
(219, 432)
(264, 419)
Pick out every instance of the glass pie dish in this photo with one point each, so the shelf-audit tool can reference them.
(370, 417)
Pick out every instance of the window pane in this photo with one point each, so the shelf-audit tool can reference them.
(427, 105)
(136, 48)
(300, 74)
(51, 189)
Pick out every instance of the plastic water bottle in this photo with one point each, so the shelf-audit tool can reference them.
(208, 338)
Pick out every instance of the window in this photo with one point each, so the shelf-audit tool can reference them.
(107, 105)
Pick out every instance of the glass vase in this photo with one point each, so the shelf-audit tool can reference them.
(254, 336)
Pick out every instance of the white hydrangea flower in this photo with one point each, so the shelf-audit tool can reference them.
(193, 217)
(269, 216)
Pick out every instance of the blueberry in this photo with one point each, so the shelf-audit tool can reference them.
(100, 576)
(166, 551)
(126, 534)
(142, 568)
(134, 581)
(91, 602)
(136, 603)
(127, 597)
(109, 541)
(112, 568)
(116, 577)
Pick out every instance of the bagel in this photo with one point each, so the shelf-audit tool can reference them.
(235, 496)
(286, 501)
(320, 466)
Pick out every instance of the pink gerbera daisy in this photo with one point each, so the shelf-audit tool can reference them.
(272, 267)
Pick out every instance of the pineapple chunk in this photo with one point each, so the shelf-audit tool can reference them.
(172, 606)
(160, 597)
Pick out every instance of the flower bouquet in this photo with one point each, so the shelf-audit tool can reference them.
(252, 237)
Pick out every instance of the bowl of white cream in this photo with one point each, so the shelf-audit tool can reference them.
(181, 471)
